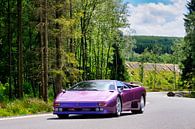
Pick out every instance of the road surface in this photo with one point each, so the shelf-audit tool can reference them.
(161, 112)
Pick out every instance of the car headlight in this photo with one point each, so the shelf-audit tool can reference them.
(102, 104)
(56, 104)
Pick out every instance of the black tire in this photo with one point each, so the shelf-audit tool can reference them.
(141, 107)
(63, 116)
(118, 107)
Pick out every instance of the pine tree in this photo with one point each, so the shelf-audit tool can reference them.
(118, 69)
(188, 71)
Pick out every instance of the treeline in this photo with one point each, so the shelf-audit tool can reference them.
(46, 45)
(154, 49)
(149, 42)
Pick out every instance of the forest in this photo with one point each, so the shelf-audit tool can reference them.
(149, 42)
(164, 47)
(48, 45)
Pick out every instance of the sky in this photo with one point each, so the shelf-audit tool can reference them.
(156, 17)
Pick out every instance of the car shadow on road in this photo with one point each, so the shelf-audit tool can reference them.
(73, 117)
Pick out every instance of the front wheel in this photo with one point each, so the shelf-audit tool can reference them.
(118, 107)
(63, 116)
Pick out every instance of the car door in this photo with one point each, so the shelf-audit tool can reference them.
(126, 94)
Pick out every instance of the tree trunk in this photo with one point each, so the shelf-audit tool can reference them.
(175, 77)
(20, 50)
(9, 38)
(58, 79)
(41, 89)
(98, 56)
(45, 97)
(71, 29)
(141, 72)
(107, 59)
(102, 55)
(83, 47)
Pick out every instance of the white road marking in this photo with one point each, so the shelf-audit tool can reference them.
(23, 117)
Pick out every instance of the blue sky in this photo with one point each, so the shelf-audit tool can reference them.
(148, 1)
(156, 17)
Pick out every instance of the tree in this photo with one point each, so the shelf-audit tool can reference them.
(9, 38)
(72, 40)
(188, 71)
(59, 47)
(177, 57)
(45, 95)
(118, 69)
(20, 50)
(44, 49)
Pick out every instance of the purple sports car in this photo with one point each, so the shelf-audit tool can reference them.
(100, 97)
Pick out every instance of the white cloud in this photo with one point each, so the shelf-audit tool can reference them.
(158, 19)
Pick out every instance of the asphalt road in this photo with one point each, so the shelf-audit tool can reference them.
(161, 112)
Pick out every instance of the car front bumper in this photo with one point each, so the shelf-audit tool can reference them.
(82, 108)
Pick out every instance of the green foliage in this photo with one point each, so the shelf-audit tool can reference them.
(118, 66)
(143, 42)
(69, 71)
(155, 49)
(192, 94)
(148, 56)
(155, 80)
(27, 88)
(188, 70)
(3, 91)
(24, 107)
(81, 35)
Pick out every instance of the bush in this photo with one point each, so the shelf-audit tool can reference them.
(3, 91)
(24, 107)
(192, 94)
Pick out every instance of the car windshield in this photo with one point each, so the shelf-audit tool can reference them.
(93, 86)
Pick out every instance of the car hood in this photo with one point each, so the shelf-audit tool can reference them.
(84, 96)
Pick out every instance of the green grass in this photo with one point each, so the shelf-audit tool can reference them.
(24, 107)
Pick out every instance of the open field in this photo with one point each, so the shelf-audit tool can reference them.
(151, 66)
(155, 77)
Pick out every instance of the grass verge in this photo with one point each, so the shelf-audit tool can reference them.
(24, 107)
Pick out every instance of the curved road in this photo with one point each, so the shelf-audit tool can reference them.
(161, 112)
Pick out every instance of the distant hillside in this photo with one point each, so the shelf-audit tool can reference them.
(150, 42)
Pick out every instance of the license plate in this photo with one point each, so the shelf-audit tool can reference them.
(71, 109)
(86, 109)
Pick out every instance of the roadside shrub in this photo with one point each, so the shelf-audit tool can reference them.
(192, 94)
(24, 107)
(3, 91)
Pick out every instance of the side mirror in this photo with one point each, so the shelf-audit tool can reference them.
(63, 91)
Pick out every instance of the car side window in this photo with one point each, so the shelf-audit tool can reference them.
(126, 87)
(121, 85)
